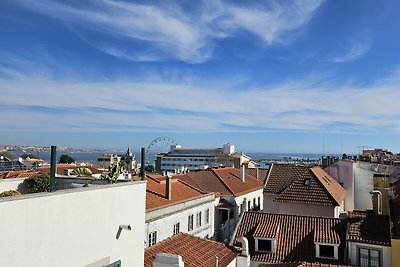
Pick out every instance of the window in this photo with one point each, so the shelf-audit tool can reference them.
(248, 205)
(190, 222)
(369, 257)
(326, 251)
(254, 203)
(198, 219)
(207, 219)
(176, 228)
(152, 238)
(265, 245)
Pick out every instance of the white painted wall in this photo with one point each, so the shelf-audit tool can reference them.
(75, 227)
(386, 254)
(269, 204)
(11, 184)
(163, 220)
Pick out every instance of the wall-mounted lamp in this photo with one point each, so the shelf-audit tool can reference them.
(123, 227)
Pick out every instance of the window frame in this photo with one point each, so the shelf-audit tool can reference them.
(152, 239)
(190, 222)
(271, 240)
(207, 216)
(176, 228)
(198, 219)
(369, 256)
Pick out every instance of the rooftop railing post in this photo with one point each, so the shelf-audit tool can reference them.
(142, 164)
(53, 168)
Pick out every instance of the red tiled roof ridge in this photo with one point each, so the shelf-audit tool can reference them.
(173, 203)
(335, 190)
(191, 186)
(220, 178)
(294, 215)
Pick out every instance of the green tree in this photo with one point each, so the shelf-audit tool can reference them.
(25, 156)
(149, 168)
(40, 183)
(66, 159)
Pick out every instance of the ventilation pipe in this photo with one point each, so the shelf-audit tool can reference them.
(168, 186)
(242, 173)
(53, 167)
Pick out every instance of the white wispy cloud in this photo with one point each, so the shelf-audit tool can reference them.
(45, 105)
(170, 30)
(354, 50)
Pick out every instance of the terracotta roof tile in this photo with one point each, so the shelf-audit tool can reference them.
(280, 176)
(223, 180)
(18, 174)
(295, 236)
(195, 251)
(180, 192)
(366, 227)
(303, 264)
(314, 186)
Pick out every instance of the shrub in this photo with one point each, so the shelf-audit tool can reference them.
(10, 193)
(40, 183)
(66, 159)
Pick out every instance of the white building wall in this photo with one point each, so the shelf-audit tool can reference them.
(343, 172)
(386, 254)
(163, 220)
(269, 204)
(75, 227)
(250, 197)
(364, 184)
(11, 184)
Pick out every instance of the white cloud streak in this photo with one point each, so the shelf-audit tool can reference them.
(172, 31)
(355, 50)
(50, 106)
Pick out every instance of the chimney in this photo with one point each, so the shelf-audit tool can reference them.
(244, 258)
(168, 186)
(257, 174)
(242, 173)
(168, 260)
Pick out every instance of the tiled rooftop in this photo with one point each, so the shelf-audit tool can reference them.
(366, 227)
(280, 176)
(295, 236)
(303, 264)
(195, 251)
(95, 169)
(180, 192)
(223, 180)
(18, 174)
(307, 185)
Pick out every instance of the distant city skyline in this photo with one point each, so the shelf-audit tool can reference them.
(267, 76)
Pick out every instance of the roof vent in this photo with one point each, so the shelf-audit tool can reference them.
(168, 260)
(307, 182)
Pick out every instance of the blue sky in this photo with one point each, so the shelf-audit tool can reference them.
(267, 76)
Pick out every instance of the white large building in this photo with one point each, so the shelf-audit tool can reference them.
(173, 206)
(180, 159)
(88, 226)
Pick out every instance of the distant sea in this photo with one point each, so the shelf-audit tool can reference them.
(92, 157)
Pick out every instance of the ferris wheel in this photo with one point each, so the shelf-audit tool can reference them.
(157, 146)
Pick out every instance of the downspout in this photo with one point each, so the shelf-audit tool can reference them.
(53, 168)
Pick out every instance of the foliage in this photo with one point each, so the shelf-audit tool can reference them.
(10, 193)
(31, 156)
(149, 168)
(66, 159)
(82, 172)
(40, 183)
(7, 154)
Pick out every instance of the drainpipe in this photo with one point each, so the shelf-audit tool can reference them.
(53, 168)
(142, 160)
(379, 200)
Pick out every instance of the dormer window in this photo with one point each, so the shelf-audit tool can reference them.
(265, 244)
(328, 251)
